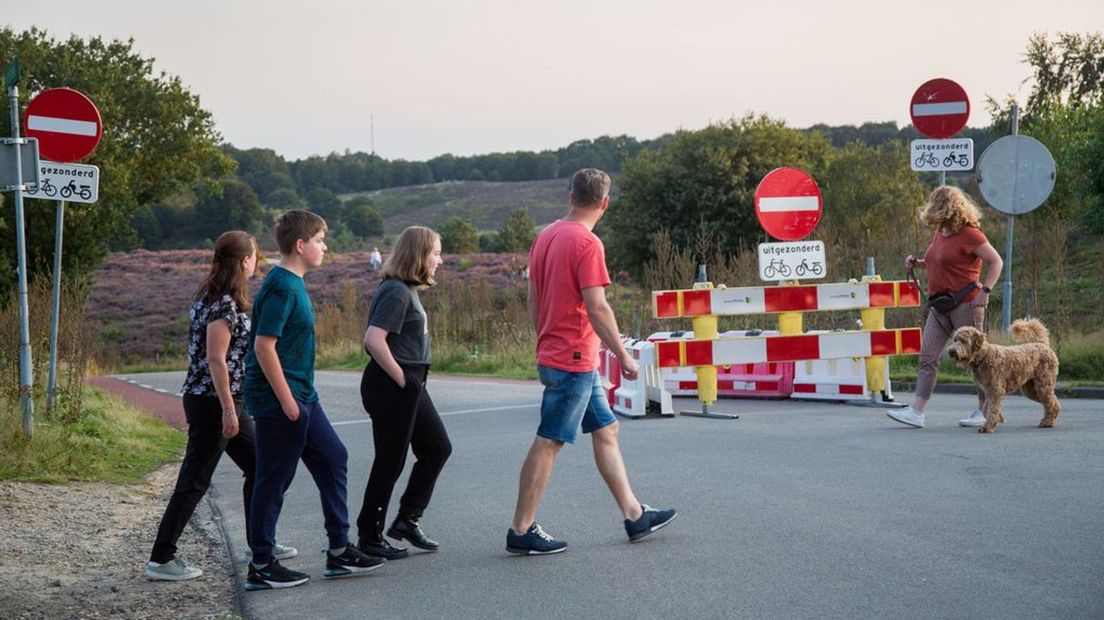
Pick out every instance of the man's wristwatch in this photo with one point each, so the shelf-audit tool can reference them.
(986, 289)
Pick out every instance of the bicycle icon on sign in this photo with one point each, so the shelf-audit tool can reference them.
(961, 159)
(777, 267)
(46, 187)
(816, 268)
(927, 160)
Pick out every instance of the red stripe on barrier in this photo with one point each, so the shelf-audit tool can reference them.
(724, 385)
(790, 298)
(793, 348)
(667, 354)
(850, 389)
(628, 403)
(881, 294)
(688, 385)
(804, 388)
(883, 343)
(697, 303)
(699, 353)
(910, 340)
(666, 304)
(766, 386)
(910, 294)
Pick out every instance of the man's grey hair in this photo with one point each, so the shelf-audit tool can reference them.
(588, 187)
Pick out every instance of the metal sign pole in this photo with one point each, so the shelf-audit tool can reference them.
(25, 371)
(52, 388)
(1006, 305)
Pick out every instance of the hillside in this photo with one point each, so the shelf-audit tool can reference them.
(485, 204)
(139, 300)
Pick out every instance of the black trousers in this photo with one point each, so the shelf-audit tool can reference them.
(402, 418)
(205, 446)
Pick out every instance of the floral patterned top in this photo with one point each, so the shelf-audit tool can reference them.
(200, 315)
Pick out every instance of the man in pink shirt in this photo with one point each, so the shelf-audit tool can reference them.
(567, 304)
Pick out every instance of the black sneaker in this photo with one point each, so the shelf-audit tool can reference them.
(533, 542)
(273, 576)
(650, 520)
(350, 562)
(382, 549)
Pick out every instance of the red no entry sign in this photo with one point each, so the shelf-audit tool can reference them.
(939, 108)
(788, 204)
(66, 123)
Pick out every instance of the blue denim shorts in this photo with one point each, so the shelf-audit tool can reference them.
(572, 400)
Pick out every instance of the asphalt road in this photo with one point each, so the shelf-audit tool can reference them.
(795, 510)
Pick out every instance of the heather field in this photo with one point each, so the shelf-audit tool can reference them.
(139, 301)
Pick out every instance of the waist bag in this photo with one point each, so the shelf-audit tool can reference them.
(945, 302)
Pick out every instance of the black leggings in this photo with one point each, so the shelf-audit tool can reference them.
(402, 418)
(205, 446)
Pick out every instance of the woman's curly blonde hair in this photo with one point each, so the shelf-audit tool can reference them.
(951, 208)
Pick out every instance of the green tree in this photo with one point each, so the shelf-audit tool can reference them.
(703, 180)
(363, 220)
(264, 171)
(285, 199)
(458, 236)
(325, 203)
(871, 197)
(229, 204)
(157, 140)
(516, 234)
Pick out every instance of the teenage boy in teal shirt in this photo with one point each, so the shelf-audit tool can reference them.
(290, 424)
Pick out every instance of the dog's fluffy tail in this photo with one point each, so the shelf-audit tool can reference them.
(1029, 330)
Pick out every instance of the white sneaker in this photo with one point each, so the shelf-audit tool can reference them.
(279, 552)
(907, 416)
(976, 419)
(173, 570)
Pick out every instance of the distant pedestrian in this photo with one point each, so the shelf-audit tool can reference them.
(374, 259)
(393, 391)
(291, 425)
(953, 261)
(218, 334)
(568, 307)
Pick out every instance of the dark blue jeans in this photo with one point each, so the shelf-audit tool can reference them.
(281, 443)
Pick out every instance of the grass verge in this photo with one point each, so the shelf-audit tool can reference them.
(112, 442)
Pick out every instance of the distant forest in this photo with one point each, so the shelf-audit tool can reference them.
(264, 183)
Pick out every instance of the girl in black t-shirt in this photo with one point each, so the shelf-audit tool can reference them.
(394, 395)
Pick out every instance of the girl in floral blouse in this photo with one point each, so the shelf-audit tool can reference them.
(218, 335)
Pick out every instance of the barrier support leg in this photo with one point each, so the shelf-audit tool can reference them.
(877, 367)
(705, 327)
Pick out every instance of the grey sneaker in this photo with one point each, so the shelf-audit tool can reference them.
(279, 552)
(173, 570)
(976, 419)
(907, 416)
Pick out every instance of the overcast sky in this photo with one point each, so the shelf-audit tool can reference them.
(475, 76)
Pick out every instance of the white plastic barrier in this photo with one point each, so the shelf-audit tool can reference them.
(835, 379)
(631, 398)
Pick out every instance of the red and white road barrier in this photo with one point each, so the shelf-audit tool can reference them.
(762, 380)
(836, 380)
(754, 350)
(774, 299)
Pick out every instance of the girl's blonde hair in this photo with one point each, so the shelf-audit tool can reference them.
(227, 275)
(950, 207)
(408, 261)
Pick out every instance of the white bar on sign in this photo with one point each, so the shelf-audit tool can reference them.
(740, 351)
(939, 109)
(61, 125)
(788, 203)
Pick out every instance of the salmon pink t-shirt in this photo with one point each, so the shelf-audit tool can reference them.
(952, 262)
(566, 258)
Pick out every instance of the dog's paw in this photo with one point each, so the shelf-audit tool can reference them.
(985, 429)
(1046, 424)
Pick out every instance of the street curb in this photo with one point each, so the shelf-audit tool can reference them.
(968, 388)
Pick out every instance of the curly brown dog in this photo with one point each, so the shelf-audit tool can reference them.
(999, 370)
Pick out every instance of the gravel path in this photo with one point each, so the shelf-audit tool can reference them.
(79, 550)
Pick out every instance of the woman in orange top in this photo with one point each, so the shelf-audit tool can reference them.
(954, 263)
